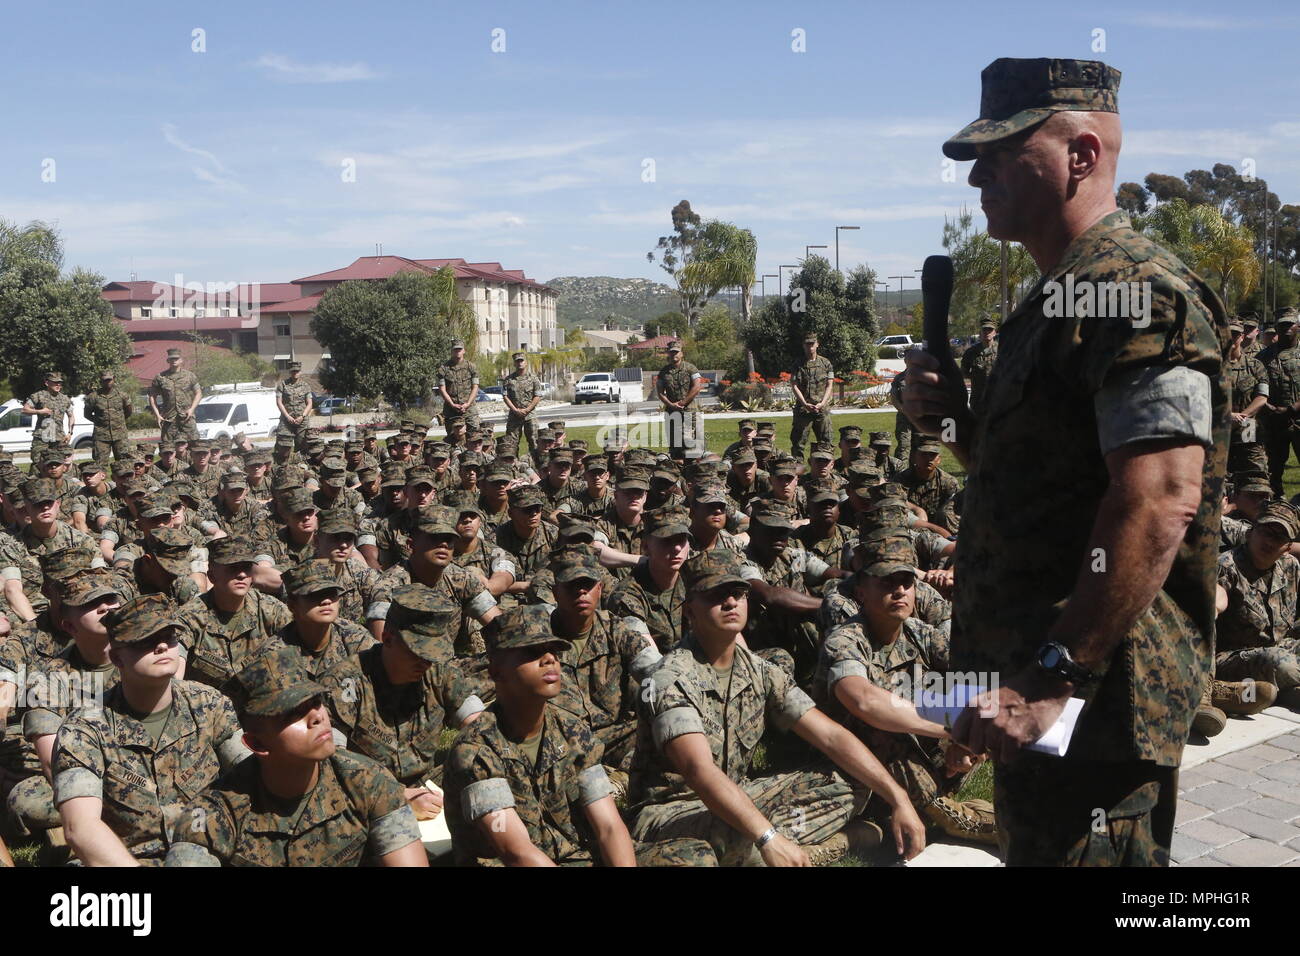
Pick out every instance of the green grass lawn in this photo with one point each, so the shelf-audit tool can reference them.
(721, 432)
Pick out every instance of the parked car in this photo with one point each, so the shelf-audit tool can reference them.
(547, 390)
(331, 405)
(494, 393)
(901, 341)
(16, 428)
(604, 387)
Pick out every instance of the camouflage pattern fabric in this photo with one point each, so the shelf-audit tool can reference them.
(356, 812)
(173, 391)
(936, 495)
(218, 645)
(108, 412)
(49, 429)
(1143, 707)
(398, 725)
(346, 641)
(145, 786)
(486, 772)
(916, 763)
(294, 396)
(812, 377)
(466, 589)
(1256, 634)
(20, 557)
(976, 364)
(642, 607)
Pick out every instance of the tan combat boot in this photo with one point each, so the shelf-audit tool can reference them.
(859, 837)
(1242, 696)
(971, 820)
(1209, 720)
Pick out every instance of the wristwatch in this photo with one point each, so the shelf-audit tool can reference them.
(1056, 660)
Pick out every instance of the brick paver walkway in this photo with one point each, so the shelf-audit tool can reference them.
(1243, 808)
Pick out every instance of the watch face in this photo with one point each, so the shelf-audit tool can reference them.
(1050, 657)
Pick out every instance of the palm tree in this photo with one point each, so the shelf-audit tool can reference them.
(724, 256)
(1220, 251)
(459, 314)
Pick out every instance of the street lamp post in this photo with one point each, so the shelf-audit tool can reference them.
(779, 277)
(837, 244)
(885, 307)
(806, 248)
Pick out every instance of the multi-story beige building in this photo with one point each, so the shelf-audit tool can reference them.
(274, 319)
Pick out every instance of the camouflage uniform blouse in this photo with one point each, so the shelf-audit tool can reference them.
(646, 610)
(356, 811)
(1261, 608)
(1062, 389)
(687, 695)
(217, 645)
(398, 725)
(676, 381)
(486, 772)
(917, 763)
(107, 753)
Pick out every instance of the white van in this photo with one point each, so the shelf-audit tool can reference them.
(246, 407)
(16, 428)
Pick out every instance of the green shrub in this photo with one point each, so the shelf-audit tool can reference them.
(747, 397)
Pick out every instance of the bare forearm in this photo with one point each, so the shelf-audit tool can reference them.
(1136, 537)
(851, 756)
(785, 599)
(728, 802)
(96, 845)
(18, 600)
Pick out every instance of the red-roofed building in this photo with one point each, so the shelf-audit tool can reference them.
(149, 357)
(274, 319)
(650, 346)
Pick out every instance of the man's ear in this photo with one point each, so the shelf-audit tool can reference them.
(254, 743)
(1085, 155)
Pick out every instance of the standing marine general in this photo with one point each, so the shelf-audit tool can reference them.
(293, 398)
(812, 382)
(458, 386)
(50, 408)
(173, 396)
(678, 384)
(523, 393)
(1125, 419)
(108, 408)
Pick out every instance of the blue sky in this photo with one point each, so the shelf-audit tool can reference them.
(226, 165)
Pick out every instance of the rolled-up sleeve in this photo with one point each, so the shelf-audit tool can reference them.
(486, 796)
(1152, 403)
(593, 785)
(674, 723)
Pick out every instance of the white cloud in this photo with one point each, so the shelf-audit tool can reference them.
(283, 68)
(218, 175)
(1183, 21)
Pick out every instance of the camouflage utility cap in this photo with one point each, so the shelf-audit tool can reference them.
(171, 548)
(887, 551)
(1282, 513)
(424, 618)
(667, 521)
(436, 519)
(40, 490)
(276, 682)
(233, 549)
(526, 496)
(64, 563)
(141, 618)
(311, 577)
(1017, 94)
(528, 626)
(337, 521)
(773, 514)
(575, 563)
(88, 586)
(714, 568)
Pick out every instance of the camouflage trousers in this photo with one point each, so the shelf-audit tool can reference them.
(1054, 812)
(1279, 665)
(120, 448)
(683, 430)
(180, 429)
(821, 426)
(903, 432)
(807, 807)
(1279, 441)
(528, 426)
(469, 417)
(31, 806)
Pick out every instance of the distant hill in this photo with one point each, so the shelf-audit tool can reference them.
(586, 301)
